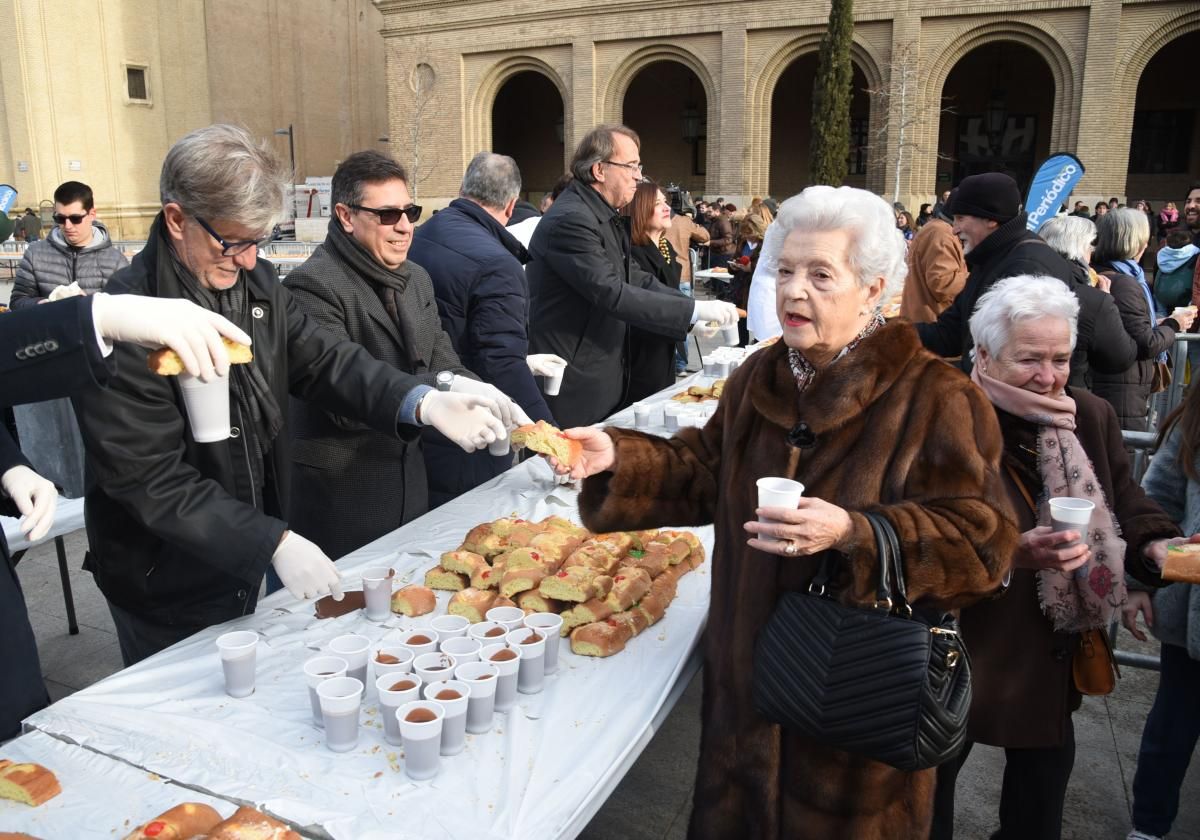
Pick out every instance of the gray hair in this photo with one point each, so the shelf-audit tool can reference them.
(877, 247)
(596, 146)
(222, 172)
(1025, 297)
(492, 180)
(1121, 234)
(1071, 236)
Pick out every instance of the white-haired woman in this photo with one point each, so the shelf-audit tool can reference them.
(860, 413)
(1058, 441)
(1121, 238)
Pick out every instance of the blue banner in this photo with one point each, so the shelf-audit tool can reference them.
(1051, 186)
(8, 197)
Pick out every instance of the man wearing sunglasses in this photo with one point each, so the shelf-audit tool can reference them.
(181, 532)
(76, 258)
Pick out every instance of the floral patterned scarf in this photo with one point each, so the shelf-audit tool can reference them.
(802, 368)
(1090, 596)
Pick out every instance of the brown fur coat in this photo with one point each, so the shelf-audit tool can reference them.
(897, 431)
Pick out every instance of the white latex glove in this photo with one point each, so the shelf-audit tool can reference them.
(545, 364)
(718, 311)
(34, 496)
(191, 331)
(510, 414)
(701, 329)
(304, 568)
(470, 420)
(70, 290)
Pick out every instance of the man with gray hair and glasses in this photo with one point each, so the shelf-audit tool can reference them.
(181, 531)
(587, 292)
(477, 267)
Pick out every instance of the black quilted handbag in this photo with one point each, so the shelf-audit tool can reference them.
(886, 683)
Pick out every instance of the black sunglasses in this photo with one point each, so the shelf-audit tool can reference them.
(232, 249)
(391, 215)
(75, 218)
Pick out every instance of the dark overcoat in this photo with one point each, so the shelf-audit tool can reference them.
(652, 356)
(897, 431)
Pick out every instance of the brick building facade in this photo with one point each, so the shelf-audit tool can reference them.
(721, 91)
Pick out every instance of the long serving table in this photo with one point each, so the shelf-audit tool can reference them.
(543, 771)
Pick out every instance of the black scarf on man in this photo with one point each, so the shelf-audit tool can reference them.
(388, 283)
(261, 418)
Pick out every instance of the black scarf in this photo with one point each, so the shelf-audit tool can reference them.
(261, 418)
(389, 284)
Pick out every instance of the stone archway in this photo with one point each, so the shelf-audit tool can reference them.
(666, 104)
(481, 102)
(528, 125)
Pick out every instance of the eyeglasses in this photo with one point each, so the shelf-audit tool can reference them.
(636, 168)
(232, 249)
(391, 215)
(74, 218)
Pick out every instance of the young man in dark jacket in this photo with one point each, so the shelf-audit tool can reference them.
(182, 532)
(478, 274)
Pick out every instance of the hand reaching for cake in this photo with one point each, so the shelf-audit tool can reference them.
(596, 453)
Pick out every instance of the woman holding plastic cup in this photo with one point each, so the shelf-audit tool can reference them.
(1084, 525)
(868, 420)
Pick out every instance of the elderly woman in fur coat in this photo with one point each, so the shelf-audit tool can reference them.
(868, 420)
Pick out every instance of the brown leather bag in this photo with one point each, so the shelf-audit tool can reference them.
(1093, 667)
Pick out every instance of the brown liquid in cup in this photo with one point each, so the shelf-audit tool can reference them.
(486, 677)
(436, 668)
(403, 685)
(421, 716)
(494, 632)
(447, 694)
(419, 640)
(504, 655)
(531, 639)
(326, 674)
(386, 659)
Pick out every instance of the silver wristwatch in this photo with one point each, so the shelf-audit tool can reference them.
(444, 380)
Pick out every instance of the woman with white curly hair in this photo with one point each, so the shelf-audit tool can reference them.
(868, 420)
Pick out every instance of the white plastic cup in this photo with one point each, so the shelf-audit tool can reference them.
(485, 632)
(449, 626)
(721, 369)
(710, 367)
(506, 683)
(413, 641)
(778, 492)
(317, 670)
(510, 617)
(238, 657)
(1070, 514)
(641, 415)
(355, 649)
(454, 725)
(431, 667)
(500, 447)
(671, 416)
(422, 740)
(531, 644)
(341, 699)
(391, 699)
(377, 593)
(550, 626)
(462, 649)
(730, 335)
(207, 405)
(552, 383)
(400, 652)
(482, 677)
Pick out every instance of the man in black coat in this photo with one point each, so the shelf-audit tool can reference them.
(478, 274)
(46, 352)
(585, 291)
(182, 531)
(987, 216)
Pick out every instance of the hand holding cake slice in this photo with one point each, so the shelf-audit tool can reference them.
(548, 440)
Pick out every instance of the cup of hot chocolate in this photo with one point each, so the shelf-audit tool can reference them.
(462, 649)
(421, 731)
(392, 659)
(508, 661)
(316, 671)
(355, 649)
(431, 667)
(449, 626)
(778, 492)
(550, 626)
(394, 691)
(1071, 514)
(238, 658)
(482, 677)
(207, 406)
(377, 593)
(341, 699)
(421, 641)
(487, 632)
(530, 643)
(510, 617)
(453, 695)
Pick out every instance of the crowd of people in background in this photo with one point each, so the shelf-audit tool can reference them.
(386, 364)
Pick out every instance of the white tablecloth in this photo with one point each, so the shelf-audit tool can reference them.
(541, 773)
